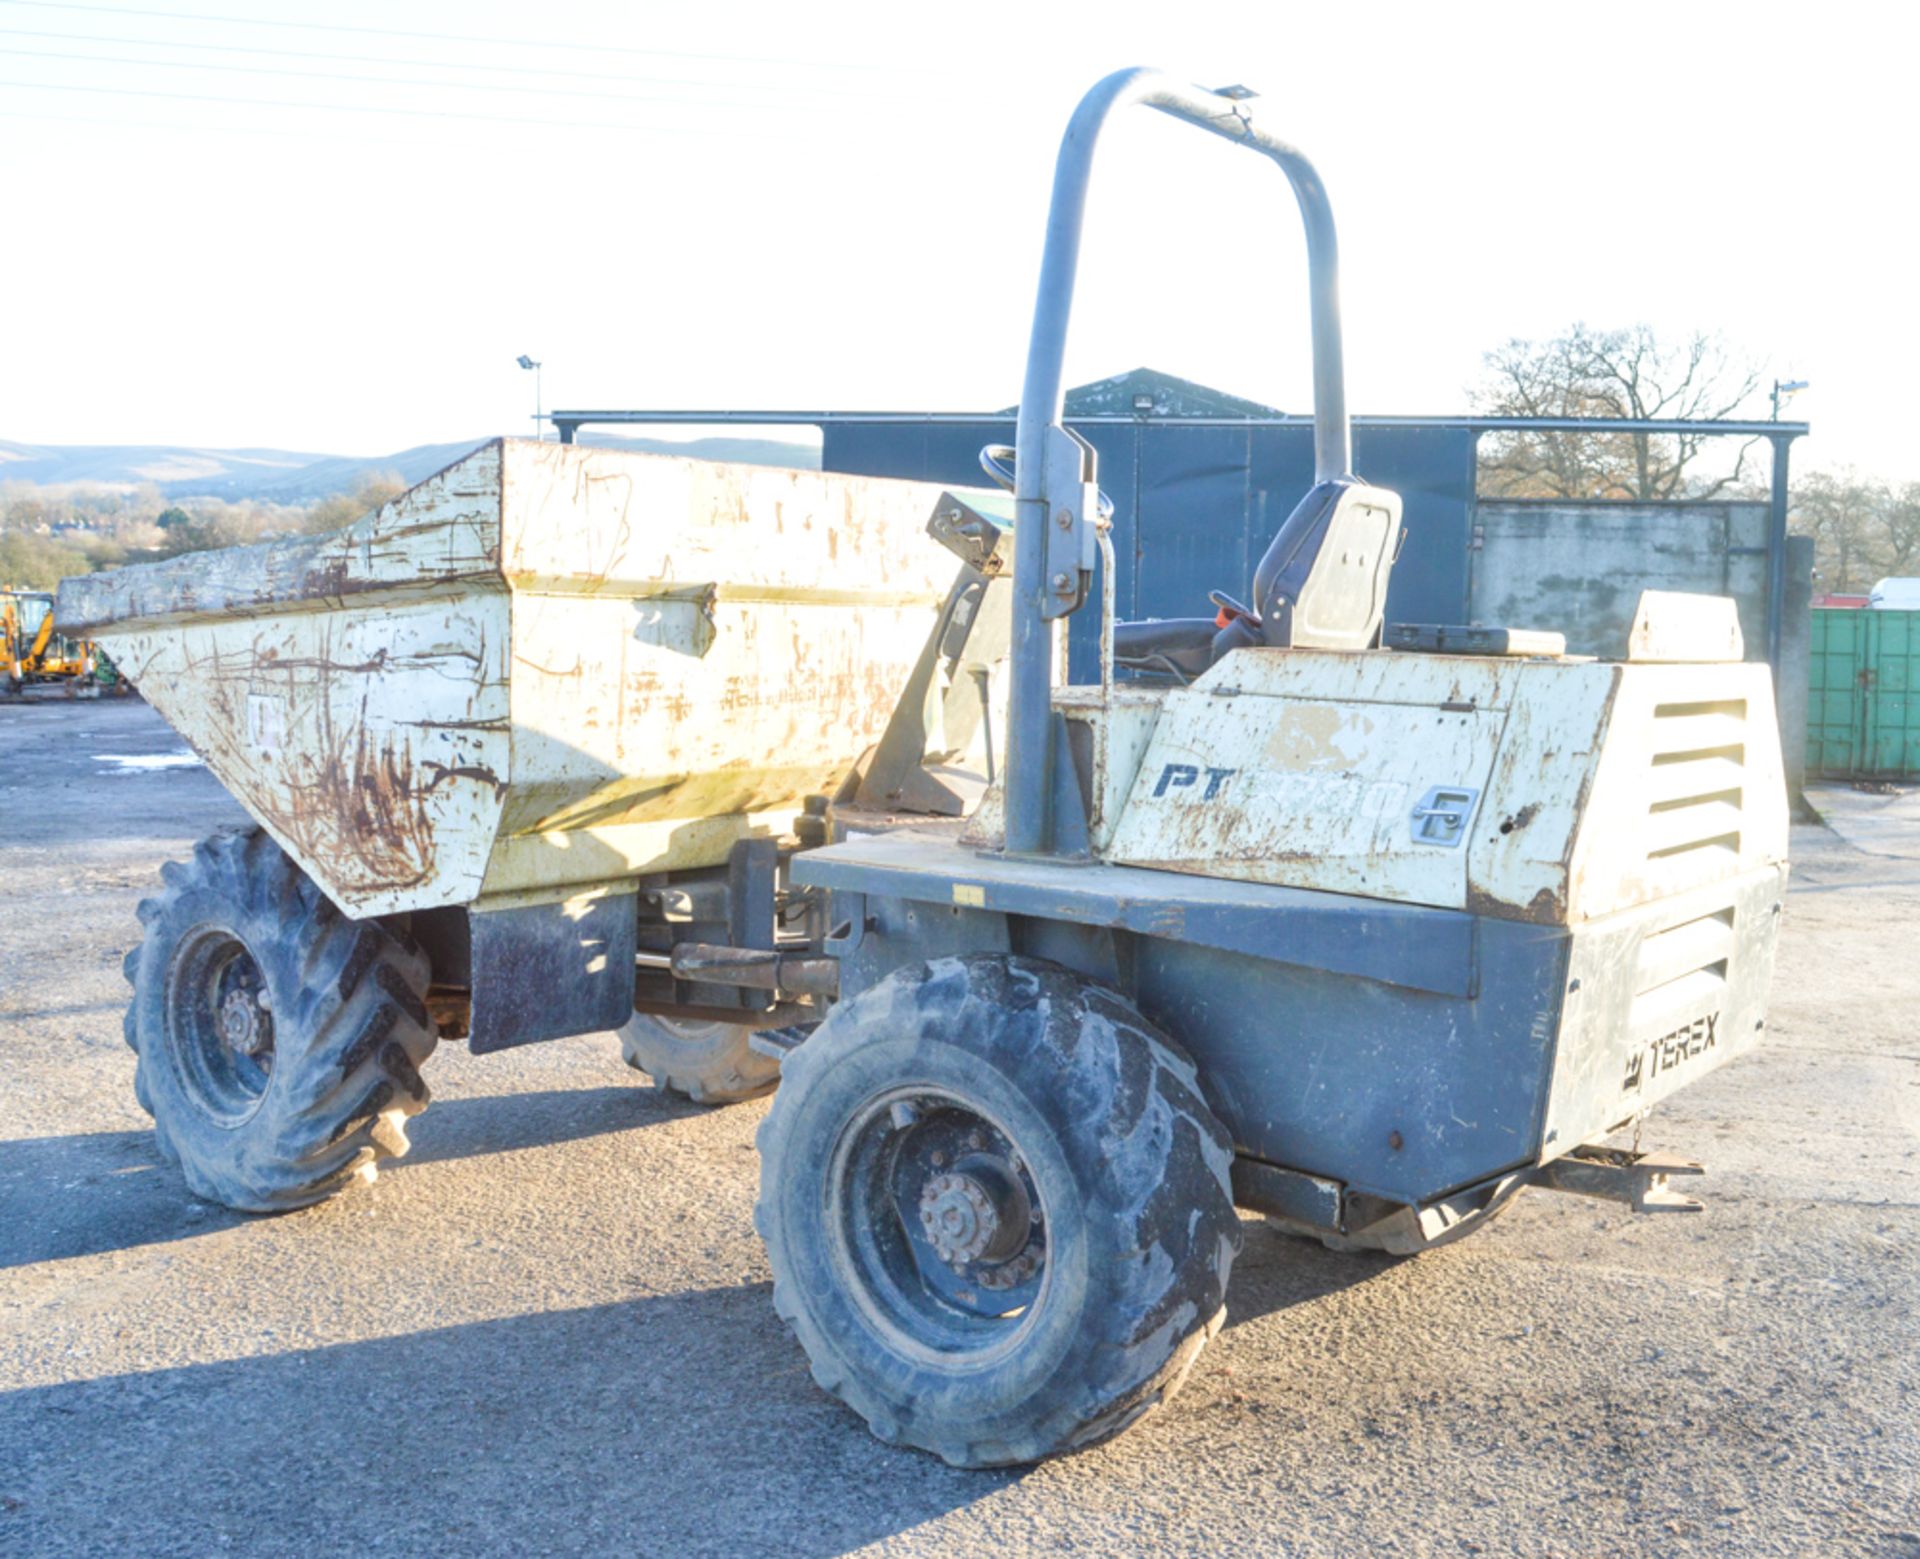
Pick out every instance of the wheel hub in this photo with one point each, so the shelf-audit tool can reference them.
(219, 1023)
(959, 1217)
(242, 1022)
(944, 1215)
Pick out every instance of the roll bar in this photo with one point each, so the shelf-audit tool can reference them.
(1049, 513)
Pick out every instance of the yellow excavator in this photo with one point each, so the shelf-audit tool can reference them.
(33, 650)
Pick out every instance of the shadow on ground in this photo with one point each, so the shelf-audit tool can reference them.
(1278, 1271)
(512, 1122)
(94, 1192)
(661, 1425)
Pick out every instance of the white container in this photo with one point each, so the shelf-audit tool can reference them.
(1896, 595)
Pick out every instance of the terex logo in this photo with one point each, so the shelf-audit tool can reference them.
(1669, 1050)
(1184, 776)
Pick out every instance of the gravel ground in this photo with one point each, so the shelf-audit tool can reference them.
(549, 1330)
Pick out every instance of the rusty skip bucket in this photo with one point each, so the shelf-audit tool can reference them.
(545, 668)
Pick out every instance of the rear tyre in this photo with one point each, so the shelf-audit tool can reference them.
(997, 1210)
(704, 1060)
(279, 1042)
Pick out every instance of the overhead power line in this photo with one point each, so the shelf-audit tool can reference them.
(440, 37)
(397, 136)
(557, 71)
(362, 108)
(698, 100)
(421, 64)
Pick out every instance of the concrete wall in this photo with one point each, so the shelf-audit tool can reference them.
(1579, 568)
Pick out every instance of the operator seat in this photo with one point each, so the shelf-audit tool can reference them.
(1322, 584)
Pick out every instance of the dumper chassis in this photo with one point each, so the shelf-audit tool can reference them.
(1275, 918)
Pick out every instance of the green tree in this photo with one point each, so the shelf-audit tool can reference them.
(34, 562)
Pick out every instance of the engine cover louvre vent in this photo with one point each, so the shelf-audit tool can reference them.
(1681, 968)
(1696, 779)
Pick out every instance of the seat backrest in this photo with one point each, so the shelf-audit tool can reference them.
(1323, 582)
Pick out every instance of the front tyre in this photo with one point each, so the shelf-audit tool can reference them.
(997, 1210)
(279, 1042)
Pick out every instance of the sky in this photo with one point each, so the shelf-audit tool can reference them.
(333, 227)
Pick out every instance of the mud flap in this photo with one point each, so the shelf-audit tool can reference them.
(545, 971)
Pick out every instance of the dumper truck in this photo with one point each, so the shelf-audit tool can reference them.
(1360, 926)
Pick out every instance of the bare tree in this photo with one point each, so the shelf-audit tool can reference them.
(1837, 510)
(1900, 528)
(1610, 373)
(1863, 530)
(370, 492)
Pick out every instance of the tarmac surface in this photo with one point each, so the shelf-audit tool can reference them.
(548, 1330)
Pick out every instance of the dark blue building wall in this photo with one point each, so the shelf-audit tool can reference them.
(1195, 503)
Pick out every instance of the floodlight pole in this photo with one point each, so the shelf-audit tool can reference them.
(525, 361)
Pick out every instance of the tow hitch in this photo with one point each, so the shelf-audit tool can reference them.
(1615, 1175)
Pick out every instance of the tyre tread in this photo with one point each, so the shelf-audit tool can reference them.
(1143, 1353)
(721, 1071)
(354, 1034)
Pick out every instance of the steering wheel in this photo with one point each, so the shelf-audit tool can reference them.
(997, 461)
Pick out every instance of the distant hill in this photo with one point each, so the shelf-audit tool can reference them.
(294, 477)
(175, 468)
(291, 477)
(326, 475)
